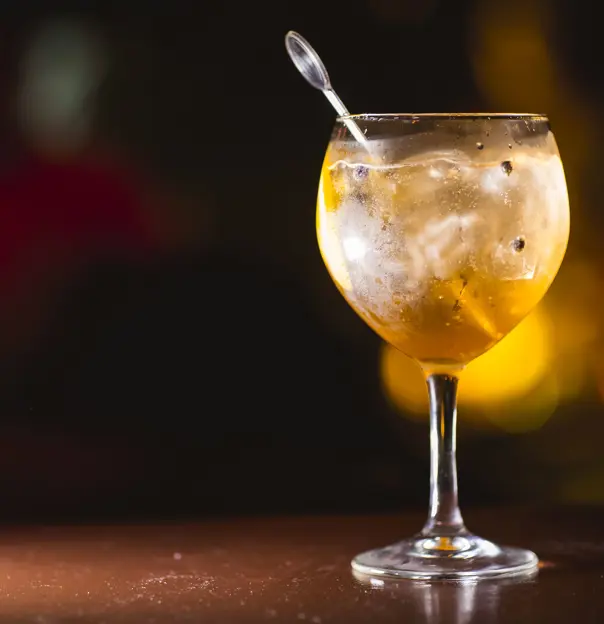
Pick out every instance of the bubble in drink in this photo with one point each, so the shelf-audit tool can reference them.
(518, 244)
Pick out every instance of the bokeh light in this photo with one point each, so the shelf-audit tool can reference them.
(573, 307)
(60, 72)
(512, 367)
(512, 386)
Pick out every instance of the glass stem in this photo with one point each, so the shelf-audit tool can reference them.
(445, 518)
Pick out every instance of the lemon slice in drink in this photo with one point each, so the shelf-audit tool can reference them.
(327, 231)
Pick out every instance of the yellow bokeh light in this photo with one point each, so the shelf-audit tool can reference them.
(523, 413)
(573, 306)
(403, 381)
(512, 367)
(511, 58)
(511, 385)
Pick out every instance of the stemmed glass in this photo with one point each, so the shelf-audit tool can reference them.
(443, 231)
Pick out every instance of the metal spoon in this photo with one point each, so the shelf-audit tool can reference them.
(310, 65)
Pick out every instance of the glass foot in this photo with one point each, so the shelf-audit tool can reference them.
(458, 557)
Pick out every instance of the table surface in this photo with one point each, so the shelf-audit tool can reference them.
(291, 570)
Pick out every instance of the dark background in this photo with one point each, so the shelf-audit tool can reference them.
(216, 369)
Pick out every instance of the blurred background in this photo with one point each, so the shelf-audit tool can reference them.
(170, 341)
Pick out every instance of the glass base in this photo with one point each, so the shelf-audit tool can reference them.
(458, 557)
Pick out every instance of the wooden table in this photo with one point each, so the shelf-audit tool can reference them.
(290, 570)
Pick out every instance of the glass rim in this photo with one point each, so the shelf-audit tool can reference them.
(441, 116)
